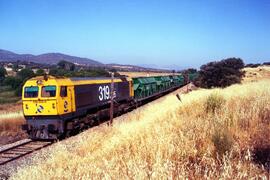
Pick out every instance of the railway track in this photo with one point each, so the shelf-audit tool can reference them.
(20, 150)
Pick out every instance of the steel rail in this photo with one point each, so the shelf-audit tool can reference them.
(20, 150)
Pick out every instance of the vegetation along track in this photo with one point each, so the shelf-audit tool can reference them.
(20, 150)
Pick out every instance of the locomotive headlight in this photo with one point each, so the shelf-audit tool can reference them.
(53, 105)
(26, 106)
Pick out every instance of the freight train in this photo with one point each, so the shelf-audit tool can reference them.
(57, 107)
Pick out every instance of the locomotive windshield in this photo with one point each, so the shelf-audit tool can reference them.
(48, 91)
(31, 91)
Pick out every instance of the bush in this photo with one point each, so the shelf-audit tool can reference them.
(3, 74)
(221, 74)
(223, 141)
(260, 141)
(25, 74)
(13, 82)
(58, 72)
(40, 72)
(214, 102)
(66, 65)
(189, 71)
(18, 90)
(17, 82)
(252, 65)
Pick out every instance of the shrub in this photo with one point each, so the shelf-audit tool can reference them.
(252, 65)
(13, 82)
(25, 74)
(3, 74)
(18, 90)
(260, 142)
(17, 82)
(40, 72)
(223, 141)
(214, 102)
(66, 65)
(221, 74)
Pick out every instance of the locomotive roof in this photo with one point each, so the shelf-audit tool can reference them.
(52, 80)
(77, 78)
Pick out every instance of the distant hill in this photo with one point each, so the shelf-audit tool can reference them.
(54, 58)
(126, 67)
(164, 67)
(48, 58)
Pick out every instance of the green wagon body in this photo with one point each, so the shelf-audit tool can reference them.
(145, 87)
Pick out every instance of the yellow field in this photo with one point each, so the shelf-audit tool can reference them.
(11, 118)
(256, 74)
(144, 74)
(209, 134)
(10, 126)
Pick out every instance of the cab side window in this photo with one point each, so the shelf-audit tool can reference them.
(63, 91)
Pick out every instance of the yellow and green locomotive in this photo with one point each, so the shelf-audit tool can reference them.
(56, 107)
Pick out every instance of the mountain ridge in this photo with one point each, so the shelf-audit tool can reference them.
(46, 58)
(54, 57)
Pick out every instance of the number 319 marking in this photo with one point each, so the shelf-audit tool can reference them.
(104, 93)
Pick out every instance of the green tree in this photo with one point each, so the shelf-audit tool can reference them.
(221, 73)
(15, 67)
(25, 74)
(58, 72)
(66, 65)
(40, 72)
(17, 82)
(13, 82)
(3, 74)
(53, 71)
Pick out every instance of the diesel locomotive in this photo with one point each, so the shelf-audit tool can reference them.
(56, 107)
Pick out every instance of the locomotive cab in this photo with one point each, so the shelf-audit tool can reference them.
(45, 103)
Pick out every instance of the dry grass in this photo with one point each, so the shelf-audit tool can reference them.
(256, 74)
(11, 118)
(10, 128)
(11, 122)
(143, 74)
(11, 107)
(7, 95)
(210, 134)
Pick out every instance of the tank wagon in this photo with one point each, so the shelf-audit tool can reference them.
(57, 107)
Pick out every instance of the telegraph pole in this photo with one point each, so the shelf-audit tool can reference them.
(112, 98)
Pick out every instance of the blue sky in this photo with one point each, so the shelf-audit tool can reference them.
(166, 33)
